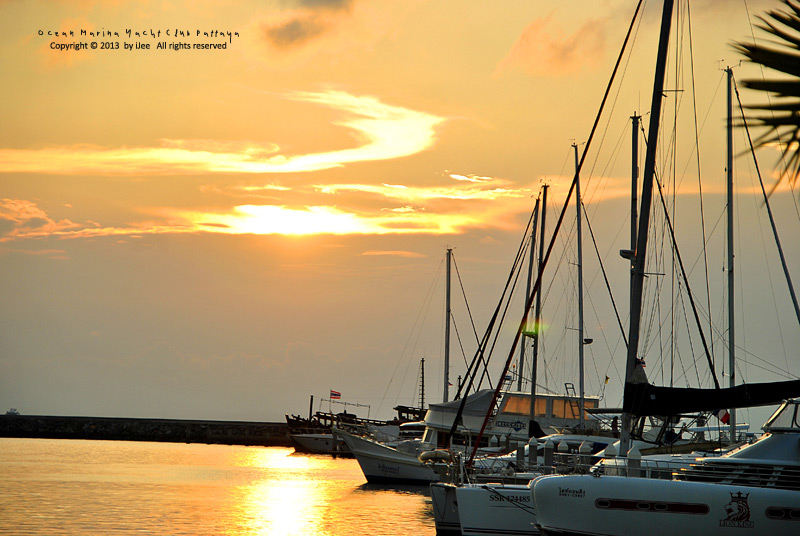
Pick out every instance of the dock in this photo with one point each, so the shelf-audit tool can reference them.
(267, 434)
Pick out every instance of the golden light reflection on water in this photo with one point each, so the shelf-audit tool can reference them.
(101, 487)
(284, 505)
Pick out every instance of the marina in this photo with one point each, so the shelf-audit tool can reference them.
(283, 231)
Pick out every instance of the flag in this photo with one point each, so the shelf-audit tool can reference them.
(726, 417)
(640, 362)
(335, 395)
(606, 380)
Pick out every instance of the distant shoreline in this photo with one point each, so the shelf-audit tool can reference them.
(268, 434)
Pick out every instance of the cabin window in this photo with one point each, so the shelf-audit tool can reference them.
(521, 405)
(517, 405)
(560, 409)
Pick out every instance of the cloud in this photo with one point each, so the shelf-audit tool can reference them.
(312, 19)
(487, 189)
(21, 218)
(386, 132)
(446, 209)
(543, 49)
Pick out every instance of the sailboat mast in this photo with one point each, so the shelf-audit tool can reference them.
(537, 318)
(531, 260)
(729, 177)
(640, 253)
(446, 390)
(580, 290)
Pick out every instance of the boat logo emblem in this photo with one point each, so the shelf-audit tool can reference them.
(738, 511)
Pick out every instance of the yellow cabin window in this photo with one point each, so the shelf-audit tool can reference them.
(517, 405)
(521, 405)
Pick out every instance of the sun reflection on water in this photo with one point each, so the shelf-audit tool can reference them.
(284, 495)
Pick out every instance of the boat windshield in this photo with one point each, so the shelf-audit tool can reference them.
(785, 418)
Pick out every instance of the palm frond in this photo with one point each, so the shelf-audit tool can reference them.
(779, 122)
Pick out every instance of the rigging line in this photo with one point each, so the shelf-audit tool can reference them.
(416, 326)
(517, 268)
(769, 209)
(458, 336)
(502, 319)
(605, 276)
(689, 339)
(470, 374)
(686, 281)
(624, 72)
(589, 347)
(487, 334)
(464, 294)
(537, 285)
(481, 357)
(699, 169)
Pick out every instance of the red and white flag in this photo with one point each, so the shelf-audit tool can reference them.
(335, 395)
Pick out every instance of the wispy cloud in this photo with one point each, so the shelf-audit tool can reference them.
(544, 49)
(484, 188)
(388, 132)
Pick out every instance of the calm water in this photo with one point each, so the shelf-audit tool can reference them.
(50, 486)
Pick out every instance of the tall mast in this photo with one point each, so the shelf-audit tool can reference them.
(537, 318)
(580, 289)
(729, 177)
(640, 253)
(634, 184)
(531, 260)
(446, 390)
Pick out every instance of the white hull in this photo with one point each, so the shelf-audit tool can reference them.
(496, 509)
(382, 464)
(620, 506)
(445, 509)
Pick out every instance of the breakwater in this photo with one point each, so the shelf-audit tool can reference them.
(124, 429)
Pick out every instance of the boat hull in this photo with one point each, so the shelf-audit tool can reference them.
(445, 509)
(319, 444)
(502, 510)
(382, 464)
(620, 506)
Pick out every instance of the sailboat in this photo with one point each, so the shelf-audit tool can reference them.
(755, 487)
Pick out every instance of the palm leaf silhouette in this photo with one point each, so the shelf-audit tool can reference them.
(779, 119)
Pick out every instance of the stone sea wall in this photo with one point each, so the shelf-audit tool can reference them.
(169, 430)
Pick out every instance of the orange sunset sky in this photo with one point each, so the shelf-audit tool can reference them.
(220, 233)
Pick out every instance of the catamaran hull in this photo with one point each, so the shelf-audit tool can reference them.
(619, 506)
(385, 465)
(500, 510)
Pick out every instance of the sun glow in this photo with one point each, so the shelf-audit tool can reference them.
(272, 219)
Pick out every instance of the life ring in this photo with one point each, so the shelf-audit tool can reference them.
(435, 456)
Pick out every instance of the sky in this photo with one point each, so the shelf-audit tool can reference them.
(226, 208)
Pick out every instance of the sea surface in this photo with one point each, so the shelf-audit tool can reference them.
(53, 486)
